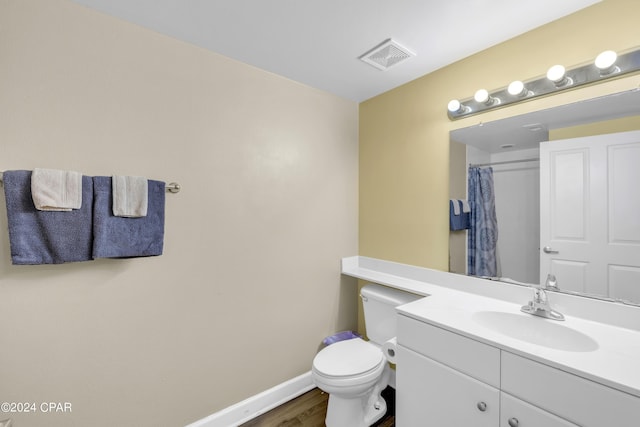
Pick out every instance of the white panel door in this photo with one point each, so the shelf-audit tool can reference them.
(590, 214)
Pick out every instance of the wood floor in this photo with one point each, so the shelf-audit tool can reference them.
(310, 409)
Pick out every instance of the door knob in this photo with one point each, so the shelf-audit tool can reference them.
(513, 422)
(549, 250)
(482, 406)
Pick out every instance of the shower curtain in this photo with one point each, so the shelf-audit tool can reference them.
(483, 236)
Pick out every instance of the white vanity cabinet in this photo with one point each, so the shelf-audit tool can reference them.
(447, 379)
(467, 343)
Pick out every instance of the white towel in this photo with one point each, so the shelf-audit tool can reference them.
(56, 190)
(465, 206)
(456, 206)
(130, 196)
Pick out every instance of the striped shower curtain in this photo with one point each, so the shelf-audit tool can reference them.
(483, 236)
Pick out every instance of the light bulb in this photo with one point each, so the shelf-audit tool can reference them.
(481, 96)
(516, 88)
(454, 106)
(556, 73)
(606, 59)
(606, 62)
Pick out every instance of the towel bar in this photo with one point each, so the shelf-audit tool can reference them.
(172, 187)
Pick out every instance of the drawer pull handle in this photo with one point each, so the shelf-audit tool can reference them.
(482, 406)
(513, 422)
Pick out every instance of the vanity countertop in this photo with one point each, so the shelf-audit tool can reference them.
(607, 354)
(608, 337)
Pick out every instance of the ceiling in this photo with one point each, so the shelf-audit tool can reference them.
(318, 43)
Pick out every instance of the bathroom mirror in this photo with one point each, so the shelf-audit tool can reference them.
(511, 147)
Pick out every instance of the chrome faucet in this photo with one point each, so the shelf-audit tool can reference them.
(539, 306)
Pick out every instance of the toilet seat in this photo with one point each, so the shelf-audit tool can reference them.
(350, 358)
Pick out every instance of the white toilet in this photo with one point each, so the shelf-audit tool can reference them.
(354, 372)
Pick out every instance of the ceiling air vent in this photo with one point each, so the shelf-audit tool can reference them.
(386, 55)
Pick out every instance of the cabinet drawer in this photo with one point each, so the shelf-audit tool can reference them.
(429, 393)
(576, 399)
(516, 413)
(471, 357)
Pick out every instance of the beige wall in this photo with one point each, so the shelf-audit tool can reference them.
(249, 283)
(599, 128)
(457, 190)
(404, 133)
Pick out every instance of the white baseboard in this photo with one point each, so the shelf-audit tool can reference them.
(259, 404)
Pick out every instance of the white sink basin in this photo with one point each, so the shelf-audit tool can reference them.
(536, 330)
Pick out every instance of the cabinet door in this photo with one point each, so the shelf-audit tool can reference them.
(431, 394)
(516, 413)
(577, 399)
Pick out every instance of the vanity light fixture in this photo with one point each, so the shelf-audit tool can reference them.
(607, 65)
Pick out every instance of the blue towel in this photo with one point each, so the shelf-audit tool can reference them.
(42, 237)
(462, 221)
(120, 237)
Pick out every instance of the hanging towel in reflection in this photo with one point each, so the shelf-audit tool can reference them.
(459, 214)
(119, 237)
(56, 190)
(130, 194)
(43, 237)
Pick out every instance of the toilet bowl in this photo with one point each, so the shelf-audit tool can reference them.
(354, 373)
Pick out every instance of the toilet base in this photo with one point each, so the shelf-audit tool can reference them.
(355, 412)
(362, 410)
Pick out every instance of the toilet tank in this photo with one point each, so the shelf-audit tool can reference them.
(379, 304)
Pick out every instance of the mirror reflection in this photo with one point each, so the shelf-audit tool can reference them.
(510, 151)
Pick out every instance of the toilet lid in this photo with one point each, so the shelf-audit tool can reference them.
(347, 358)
